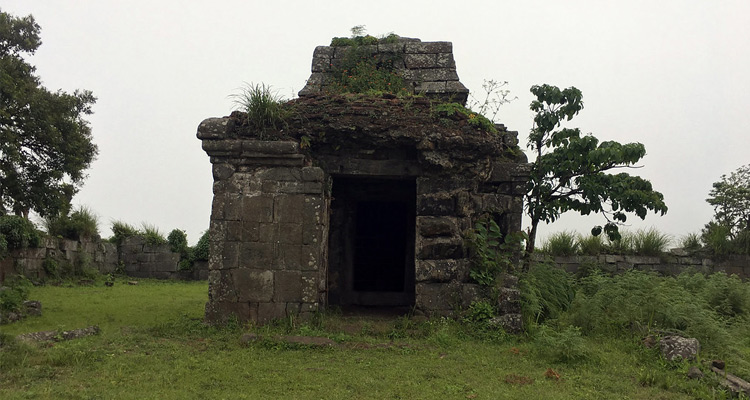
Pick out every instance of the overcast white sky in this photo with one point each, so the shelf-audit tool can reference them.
(671, 74)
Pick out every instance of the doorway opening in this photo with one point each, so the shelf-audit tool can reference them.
(371, 243)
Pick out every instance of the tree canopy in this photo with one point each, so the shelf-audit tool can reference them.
(571, 170)
(729, 232)
(45, 142)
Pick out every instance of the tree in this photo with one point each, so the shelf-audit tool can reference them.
(45, 144)
(570, 172)
(730, 229)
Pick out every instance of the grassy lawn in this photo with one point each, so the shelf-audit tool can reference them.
(153, 345)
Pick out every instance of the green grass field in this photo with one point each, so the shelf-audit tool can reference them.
(153, 345)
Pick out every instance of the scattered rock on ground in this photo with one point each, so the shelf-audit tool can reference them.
(675, 347)
(32, 307)
(718, 364)
(57, 336)
(695, 373)
(735, 384)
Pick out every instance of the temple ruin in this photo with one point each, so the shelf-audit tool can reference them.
(360, 200)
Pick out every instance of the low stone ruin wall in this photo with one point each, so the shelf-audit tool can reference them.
(670, 264)
(57, 256)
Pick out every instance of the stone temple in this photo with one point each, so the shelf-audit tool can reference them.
(358, 201)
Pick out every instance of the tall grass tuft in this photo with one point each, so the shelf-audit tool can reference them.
(82, 223)
(623, 245)
(152, 235)
(121, 231)
(650, 242)
(561, 244)
(546, 292)
(691, 242)
(264, 108)
(591, 245)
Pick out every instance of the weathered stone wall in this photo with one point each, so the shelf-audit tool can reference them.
(427, 67)
(61, 255)
(670, 264)
(446, 209)
(142, 260)
(133, 257)
(268, 229)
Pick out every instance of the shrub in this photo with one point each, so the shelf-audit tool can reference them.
(18, 232)
(177, 240)
(691, 242)
(82, 223)
(492, 253)
(480, 312)
(638, 302)
(264, 108)
(561, 244)
(455, 111)
(121, 231)
(152, 235)
(715, 237)
(14, 294)
(565, 346)
(200, 251)
(51, 267)
(650, 242)
(591, 245)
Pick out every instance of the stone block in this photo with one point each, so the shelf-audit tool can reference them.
(290, 233)
(230, 255)
(428, 47)
(418, 61)
(314, 210)
(437, 226)
(470, 293)
(221, 287)
(270, 147)
(323, 52)
(253, 285)
(258, 208)
(258, 255)
(221, 312)
(312, 234)
(442, 270)
(429, 87)
(289, 208)
(234, 231)
(233, 208)
(435, 296)
(310, 257)
(250, 231)
(270, 311)
(445, 60)
(310, 287)
(289, 257)
(215, 128)
(439, 75)
(280, 174)
(509, 301)
(222, 171)
(437, 204)
(287, 286)
(440, 248)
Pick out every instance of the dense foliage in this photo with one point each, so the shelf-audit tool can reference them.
(82, 223)
(45, 143)
(570, 172)
(729, 231)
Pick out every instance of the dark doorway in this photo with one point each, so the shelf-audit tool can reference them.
(371, 246)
